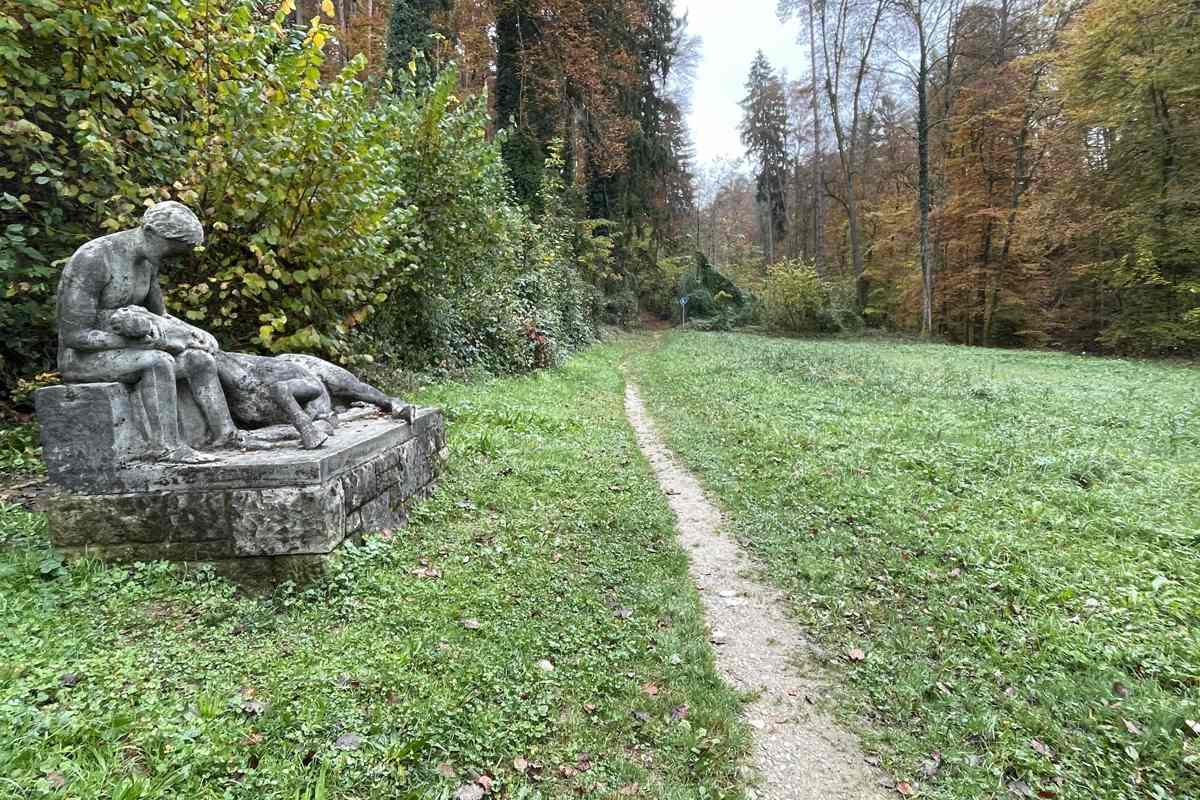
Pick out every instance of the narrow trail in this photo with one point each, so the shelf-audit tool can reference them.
(799, 751)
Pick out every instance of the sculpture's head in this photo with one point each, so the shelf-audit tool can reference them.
(170, 228)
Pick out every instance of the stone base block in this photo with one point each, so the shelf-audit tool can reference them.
(250, 508)
(91, 429)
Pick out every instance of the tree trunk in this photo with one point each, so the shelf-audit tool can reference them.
(923, 184)
(818, 226)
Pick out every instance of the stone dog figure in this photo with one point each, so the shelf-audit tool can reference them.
(298, 390)
(111, 323)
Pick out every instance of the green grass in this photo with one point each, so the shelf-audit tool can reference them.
(137, 682)
(1012, 538)
(20, 453)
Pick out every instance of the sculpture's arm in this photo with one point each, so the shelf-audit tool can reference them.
(78, 300)
(183, 334)
(154, 299)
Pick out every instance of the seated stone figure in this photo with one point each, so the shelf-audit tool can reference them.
(111, 323)
(299, 390)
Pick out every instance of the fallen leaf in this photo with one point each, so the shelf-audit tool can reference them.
(589, 707)
(485, 782)
(1046, 793)
(856, 654)
(545, 666)
(568, 771)
(650, 689)
(1132, 727)
(520, 764)
(641, 716)
(1020, 789)
(56, 780)
(904, 788)
(254, 707)
(253, 739)
(1041, 748)
(630, 789)
(69, 680)
(1120, 690)
(584, 761)
(557, 557)
(469, 791)
(427, 572)
(348, 741)
(623, 613)
(471, 624)
(932, 764)
(679, 712)
(445, 770)
(676, 660)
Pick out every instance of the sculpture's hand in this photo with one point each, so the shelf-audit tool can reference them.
(134, 323)
(203, 340)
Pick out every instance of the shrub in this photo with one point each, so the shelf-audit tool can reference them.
(340, 214)
(797, 300)
(96, 109)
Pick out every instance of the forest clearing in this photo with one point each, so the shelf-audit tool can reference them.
(542, 399)
(995, 556)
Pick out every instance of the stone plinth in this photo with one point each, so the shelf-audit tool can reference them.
(91, 429)
(268, 512)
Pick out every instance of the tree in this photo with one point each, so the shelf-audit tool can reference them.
(764, 130)
(849, 32)
(1129, 85)
(411, 29)
(930, 19)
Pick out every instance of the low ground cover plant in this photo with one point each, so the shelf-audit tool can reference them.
(1002, 548)
(531, 634)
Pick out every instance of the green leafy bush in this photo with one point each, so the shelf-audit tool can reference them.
(326, 199)
(797, 300)
(96, 105)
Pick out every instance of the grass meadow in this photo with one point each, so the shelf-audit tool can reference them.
(1012, 540)
(532, 633)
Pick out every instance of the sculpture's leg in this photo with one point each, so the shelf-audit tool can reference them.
(344, 384)
(287, 395)
(157, 391)
(151, 374)
(201, 371)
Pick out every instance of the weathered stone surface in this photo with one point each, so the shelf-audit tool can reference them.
(365, 479)
(305, 520)
(353, 444)
(87, 428)
(92, 432)
(148, 517)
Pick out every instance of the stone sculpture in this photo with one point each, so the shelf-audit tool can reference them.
(143, 438)
(298, 390)
(113, 327)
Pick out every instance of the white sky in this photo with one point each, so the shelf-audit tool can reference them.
(733, 31)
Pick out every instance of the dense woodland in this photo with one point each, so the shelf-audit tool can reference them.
(1006, 172)
(480, 184)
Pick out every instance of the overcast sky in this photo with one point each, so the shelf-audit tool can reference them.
(733, 30)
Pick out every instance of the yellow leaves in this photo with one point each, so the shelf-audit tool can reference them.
(287, 7)
(327, 7)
